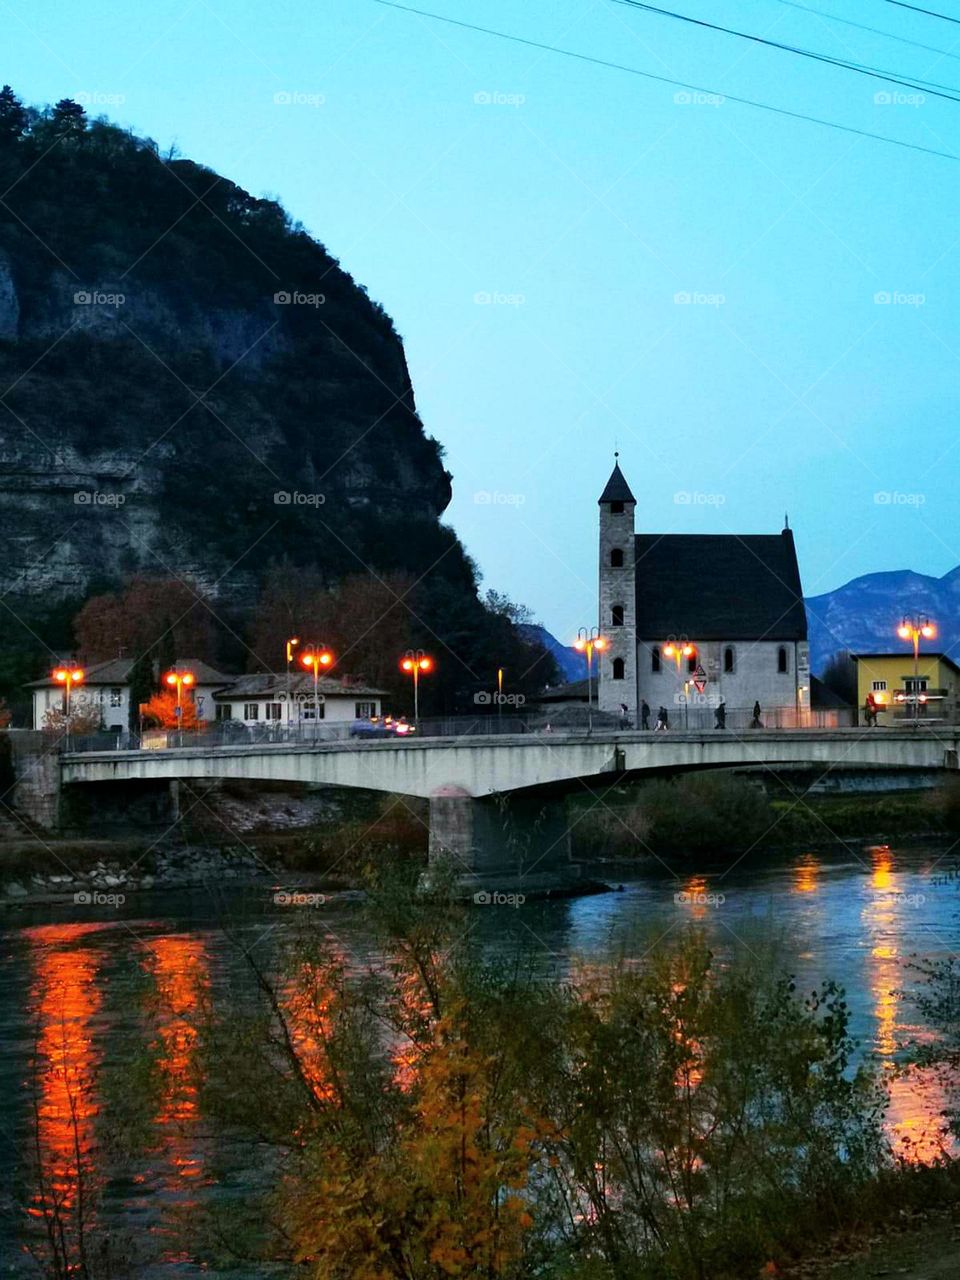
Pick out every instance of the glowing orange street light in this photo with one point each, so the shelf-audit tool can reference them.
(291, 645)
(916, 629)
(415, 662)
(180, 680)
(315, 657)
(68, 677)
(679, 649)
(589, 640)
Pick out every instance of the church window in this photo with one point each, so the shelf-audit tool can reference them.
(616, 616)
(618, 668)
(616, 508)
(782, 659)
(655, 658)
(616, 558)
(729, 660)
(692, 663)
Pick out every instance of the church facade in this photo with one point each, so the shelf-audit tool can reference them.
(691, 620)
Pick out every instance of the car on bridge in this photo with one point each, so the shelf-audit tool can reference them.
(382, 727)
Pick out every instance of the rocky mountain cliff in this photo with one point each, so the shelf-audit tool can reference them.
(190, 383)
(863, 614)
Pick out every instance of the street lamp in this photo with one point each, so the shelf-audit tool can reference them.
(679, 649)
(315, 657)
(916, 629)
(588, 639)
(68, 677)
(413, 662)
(180, 680)
(291, 645)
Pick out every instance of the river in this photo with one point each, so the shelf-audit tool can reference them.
(72, 979)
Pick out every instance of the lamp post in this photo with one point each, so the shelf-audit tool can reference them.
(291, 645)
(180, 680)
(499, 697)
(588, 639)
(678, 648)
(315, 657)
(67, 676)
(413, 662)
(916, 629)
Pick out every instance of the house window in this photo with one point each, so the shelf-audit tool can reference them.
(782, 659)
(251, 711)
(914, 685)
(655, 658)
(273, 711)
(116, 697)
(729, 660)
(616, 508)
(310, 710)
(618, 668)
(224, 711)
(365, 710)
(879, 686)
(616, 558)
(616, 616)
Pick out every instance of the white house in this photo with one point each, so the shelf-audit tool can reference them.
(270, 697)
(691, 620)
(107, 685)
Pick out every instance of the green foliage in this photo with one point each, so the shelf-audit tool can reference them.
(444, 1115)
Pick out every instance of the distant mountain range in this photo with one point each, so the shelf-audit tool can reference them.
(862, 616)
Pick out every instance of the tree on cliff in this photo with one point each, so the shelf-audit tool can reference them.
(13, 117)
(167, 617)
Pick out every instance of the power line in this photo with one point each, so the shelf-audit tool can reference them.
(679, 84)
(930, 13)
(875, 31)
(875, 73)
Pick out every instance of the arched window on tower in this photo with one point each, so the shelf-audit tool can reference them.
(616, 508)
(616, 558)
(618, 668)
(692, 664)
(616, 616)
(782, 665)
(655, 658)
(729, 660)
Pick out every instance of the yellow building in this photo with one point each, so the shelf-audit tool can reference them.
(930, 691)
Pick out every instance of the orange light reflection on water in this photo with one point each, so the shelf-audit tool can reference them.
(916, 1096)
(66, 1001)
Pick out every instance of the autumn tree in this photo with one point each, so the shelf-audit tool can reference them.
(85, 717)
(161, 711)
(149, 615)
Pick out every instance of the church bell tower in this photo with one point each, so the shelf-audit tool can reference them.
(617, 683)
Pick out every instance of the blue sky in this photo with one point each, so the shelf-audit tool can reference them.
(529, 221)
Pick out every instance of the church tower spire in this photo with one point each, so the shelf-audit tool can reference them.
(617, 683)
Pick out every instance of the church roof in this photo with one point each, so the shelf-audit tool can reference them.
(617, 489)
(719, 587)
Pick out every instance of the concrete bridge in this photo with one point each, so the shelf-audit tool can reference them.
(490, 797)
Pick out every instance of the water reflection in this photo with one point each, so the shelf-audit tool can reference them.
(65, 1000)
(916, 1097)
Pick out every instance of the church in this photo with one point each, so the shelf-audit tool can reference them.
(693, 620)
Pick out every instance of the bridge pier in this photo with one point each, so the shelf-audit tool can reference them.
(514, 837)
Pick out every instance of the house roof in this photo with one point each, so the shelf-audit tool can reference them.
(905, 657)
(267, 683)
(617, 489)
(576, 691)
(116, 671)
(719, 587)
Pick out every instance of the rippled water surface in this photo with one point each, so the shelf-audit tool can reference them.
(73, 980)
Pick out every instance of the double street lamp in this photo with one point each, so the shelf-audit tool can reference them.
(589, 639)
(67, 676)
(180, 680)
(416, 663)
(315, 657)
(916, 629)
